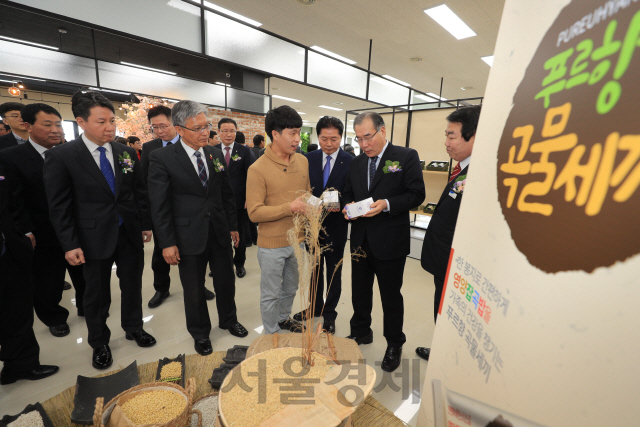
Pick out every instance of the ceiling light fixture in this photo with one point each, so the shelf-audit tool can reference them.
(335, 55)
(300, 112)
(396, 80)
(232, 14)
(8, 81)
(488, 60)
(29, 43)
(223, 84)
(14, 91)
(147, 68)
(330, 108)
(25, 78)
(285, 98)
(416, 59)
(171, 100)
(111, 91)
(433, 95)
(20, 85)
(450, 22)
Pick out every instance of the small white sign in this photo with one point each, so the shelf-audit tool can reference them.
(360, 208)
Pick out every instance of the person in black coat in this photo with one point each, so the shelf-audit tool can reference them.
(11, 115)
(99, 209)
(24, 164)
(436, 247)
(238, 157)
(392, 176)
(328, 169)
(19, 349)
(194, 217)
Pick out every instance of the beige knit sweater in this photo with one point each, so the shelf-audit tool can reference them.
(271, 186)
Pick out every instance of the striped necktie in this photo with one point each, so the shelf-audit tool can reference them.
(455, 172)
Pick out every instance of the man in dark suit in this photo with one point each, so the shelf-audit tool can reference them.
(99, 208)
(436, 247)
(11, 115)
(392, 176)
(238, 157)
(19, 348)
(160, 121)
(24, 164)
(328, 169)
(4, 128)
(258, 145)
(194, 217)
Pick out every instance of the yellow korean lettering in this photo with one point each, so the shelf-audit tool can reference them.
(603, 176)
(574, 169)
(630, 143)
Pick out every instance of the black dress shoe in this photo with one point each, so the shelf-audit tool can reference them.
(330, 326)
(66, 286)
(203, 347)
(241, 272)
(209, 296)
(291, 325)
(423, 352)
(392, 358)
(38, 373)
(102, 358)
(60, 330)
(249, 244)
(142, 338)
(365, 339)
(237, 330)
(158, 298)
(302, 315)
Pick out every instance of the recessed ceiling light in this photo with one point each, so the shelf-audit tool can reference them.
(171, 100)
(147, 68)
(25, 78)
(232, 14)
(488, 60)
(335, 55)
(433, 95)
(467, 88)
(396, 80)
(9, 81)
(285, 98)
(337, 103)
(223, 84)
(29, 43)
(450, 21)
(330, 108)
(307, 2)
(416, 59)
(300, 112)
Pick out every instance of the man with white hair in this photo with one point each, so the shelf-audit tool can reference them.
(194, 218)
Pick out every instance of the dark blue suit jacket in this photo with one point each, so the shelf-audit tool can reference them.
(238, 171)
(335, 225)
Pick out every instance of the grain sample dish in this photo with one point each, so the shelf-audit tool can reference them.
(171, 371)
(154, 407)
(30, 419)
(275, 385)
(208, 407)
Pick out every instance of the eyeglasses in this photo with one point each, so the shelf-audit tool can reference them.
(206, 128)
(163, 127)
(366, 139)
(13, 116)
(228, 131)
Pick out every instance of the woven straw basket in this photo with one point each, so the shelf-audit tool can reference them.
(195, 411)
(103, 412)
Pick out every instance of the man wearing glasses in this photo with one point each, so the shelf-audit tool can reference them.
(238, 158)
(11, 115)
(162, 127)
(392, 176)
(194, 217)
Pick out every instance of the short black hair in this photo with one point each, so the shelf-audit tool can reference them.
(312, 147)
(82, 103)
(257, 140)
(122, 140)
(30, 111)
(132, 139)
(227, 120)
(468, 117)
(327, 122)
(348, 147)
(6, 126)
(212, 133)
(283, 117)
(159, 110)
(240, 137)
(10, 106)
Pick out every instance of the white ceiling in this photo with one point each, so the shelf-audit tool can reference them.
(400, 30)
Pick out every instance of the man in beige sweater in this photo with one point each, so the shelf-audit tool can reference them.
(273, 185)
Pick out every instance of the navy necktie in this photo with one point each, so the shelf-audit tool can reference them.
(202, 172)
(105, 168)
(372, 170)
(326, 171)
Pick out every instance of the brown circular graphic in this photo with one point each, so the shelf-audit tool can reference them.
(569, 156)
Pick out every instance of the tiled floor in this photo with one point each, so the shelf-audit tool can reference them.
(167, 324)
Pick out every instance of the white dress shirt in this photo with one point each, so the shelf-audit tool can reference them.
(333, 156)
(39, 148)
(19, 139)
(464, 163)
(173, 141)
(388, 208)
(224, 149)
(93, 149)
(191, 153)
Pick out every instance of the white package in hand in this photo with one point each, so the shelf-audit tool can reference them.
(360, 208)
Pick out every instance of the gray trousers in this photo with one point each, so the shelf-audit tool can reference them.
(278, 286)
